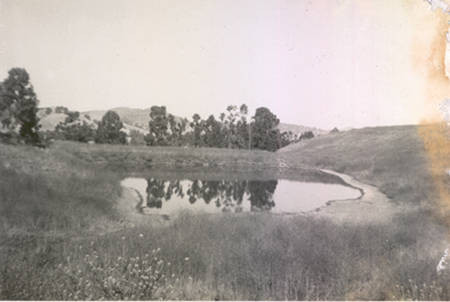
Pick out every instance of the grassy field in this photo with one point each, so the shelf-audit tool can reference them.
(138, 158)
(52, 191)
(62, 238)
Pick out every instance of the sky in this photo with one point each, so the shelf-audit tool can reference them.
(321, 63)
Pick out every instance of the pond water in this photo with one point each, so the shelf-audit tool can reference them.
(160, 196)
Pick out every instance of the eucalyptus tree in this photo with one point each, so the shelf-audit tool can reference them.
(177, 129)
(158, 127)
(197, 125)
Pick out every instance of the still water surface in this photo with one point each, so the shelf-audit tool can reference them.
(159, 196)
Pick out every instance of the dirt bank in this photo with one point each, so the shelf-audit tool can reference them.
(372, 206)
(128, 204)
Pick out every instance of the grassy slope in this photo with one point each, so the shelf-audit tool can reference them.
(391, 158)
(51, 190)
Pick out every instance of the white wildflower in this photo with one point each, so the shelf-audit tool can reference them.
(442, 265)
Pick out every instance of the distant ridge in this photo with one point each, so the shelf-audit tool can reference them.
(299, 129)
(132, 116)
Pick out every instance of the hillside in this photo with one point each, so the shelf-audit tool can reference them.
(50, 117)
(391, 158)
(49, 120)
(299, 129)
(131, 116)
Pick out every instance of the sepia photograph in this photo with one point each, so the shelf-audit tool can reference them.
(225, 150)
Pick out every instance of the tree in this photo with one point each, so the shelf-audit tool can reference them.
(235, 127)
(136, 137)
(79, 132)
(243, 128)
(73, 129)
(108, 131)
(177, 129)
(19, 106)
(197, 128)
(265, 134)
(230, 126)
(306, 135)
(158, 125)
(213, 133)
(61, 109)
(72, 116)
(334, 130)
(173, 136)
(287, 137)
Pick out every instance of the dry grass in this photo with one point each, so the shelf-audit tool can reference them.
(138, 158)
(246, 257)
(47, 190)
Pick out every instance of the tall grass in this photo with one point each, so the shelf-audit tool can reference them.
(243, 257)
(50, 191)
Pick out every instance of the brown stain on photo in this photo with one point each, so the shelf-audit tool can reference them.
(433, 130)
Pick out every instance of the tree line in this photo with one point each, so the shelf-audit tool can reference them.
(234, 128)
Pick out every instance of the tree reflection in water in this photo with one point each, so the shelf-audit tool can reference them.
(155, 193)
(227, 195)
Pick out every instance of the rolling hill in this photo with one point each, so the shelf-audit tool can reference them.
(299, 129)
(131, 116)
(49, 120)
(50, 117)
